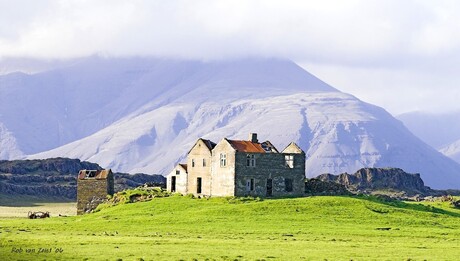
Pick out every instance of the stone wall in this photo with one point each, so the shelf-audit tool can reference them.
(91, 192)
(269, 166)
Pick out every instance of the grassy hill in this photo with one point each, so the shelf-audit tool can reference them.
(177, 227)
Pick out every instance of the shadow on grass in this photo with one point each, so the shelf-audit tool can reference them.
(29, 201)
(403, 205)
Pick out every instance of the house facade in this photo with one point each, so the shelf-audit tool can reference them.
(240, 168)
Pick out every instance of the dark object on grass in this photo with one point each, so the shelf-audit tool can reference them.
(38, 214)
(383, 228)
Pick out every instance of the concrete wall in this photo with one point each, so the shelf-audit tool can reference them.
(223, 178)
(199, 152)
(269, 166)
(181, 180)
(91, 192)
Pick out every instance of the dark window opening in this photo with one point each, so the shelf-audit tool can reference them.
(198, 185)
(91, 174)
(204, 162)
(250, 185)
(250, 160)
(173, 184)
(177, 172)
(193, 163)
(288, 185)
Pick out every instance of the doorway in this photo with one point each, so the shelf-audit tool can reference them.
(173, 184)
(269, 187)
(198, 185)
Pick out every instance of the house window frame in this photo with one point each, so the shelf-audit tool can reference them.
(223, 160)
(250, 160)
(177, 172)
(289, 161)
(250, 185)
(193, 163)
(204, 162)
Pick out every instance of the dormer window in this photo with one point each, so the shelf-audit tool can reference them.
(90, 174)
(250, 160)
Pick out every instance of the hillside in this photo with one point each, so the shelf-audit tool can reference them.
(144, 114)
(313, 228)
(56, 178)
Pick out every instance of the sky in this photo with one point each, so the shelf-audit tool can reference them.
(402, 55)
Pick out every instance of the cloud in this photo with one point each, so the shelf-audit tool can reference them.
(384, 38)
(326, 31)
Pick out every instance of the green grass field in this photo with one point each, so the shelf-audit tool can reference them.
(182, 228)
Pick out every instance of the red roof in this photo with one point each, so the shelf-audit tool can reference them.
(246, 146)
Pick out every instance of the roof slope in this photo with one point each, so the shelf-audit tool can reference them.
(246, 146)
(94, 174)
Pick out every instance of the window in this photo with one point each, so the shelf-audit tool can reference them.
(223, 160)
(198, 185)
(288, 185)
(204, 162)
(177, 172)
(250, 160)
(90, 173)
(289, 161)
(193, 163)
(250, 185)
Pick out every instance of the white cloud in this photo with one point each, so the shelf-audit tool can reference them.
(410, 42)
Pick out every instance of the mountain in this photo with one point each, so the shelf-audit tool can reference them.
(436, 129)
(144, 114)
(452, 151)
(442, 131)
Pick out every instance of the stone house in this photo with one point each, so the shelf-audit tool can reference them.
(93, 186)
(240, 168)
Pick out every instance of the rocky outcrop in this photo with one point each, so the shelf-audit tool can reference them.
(317, 187)
(56, 178)
(373, 179)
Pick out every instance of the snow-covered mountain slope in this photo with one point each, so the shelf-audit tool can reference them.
(338, 132)
(52, 108)
(143, 115)
(452, 151)
(8, 145)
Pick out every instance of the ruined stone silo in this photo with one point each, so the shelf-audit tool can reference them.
(93, 186)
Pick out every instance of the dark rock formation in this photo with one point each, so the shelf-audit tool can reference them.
(57, 178)
(318, 187)
(372, 179)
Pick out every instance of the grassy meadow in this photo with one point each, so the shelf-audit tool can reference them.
(183, 228)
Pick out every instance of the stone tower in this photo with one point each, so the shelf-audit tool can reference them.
(93, 186)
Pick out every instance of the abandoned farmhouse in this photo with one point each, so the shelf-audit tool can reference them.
(240, 168)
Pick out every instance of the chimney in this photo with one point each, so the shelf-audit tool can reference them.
(253, 137)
